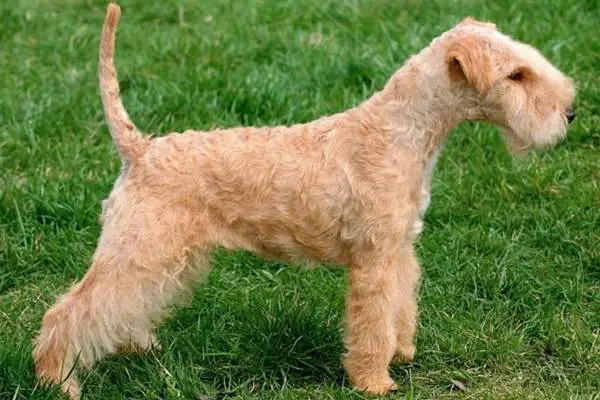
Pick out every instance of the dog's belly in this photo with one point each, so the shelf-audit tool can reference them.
(286, 240)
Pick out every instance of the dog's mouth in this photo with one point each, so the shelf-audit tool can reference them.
(520, 144)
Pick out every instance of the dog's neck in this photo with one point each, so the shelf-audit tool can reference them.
(410, 105)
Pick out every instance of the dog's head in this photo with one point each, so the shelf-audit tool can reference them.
(510, 84)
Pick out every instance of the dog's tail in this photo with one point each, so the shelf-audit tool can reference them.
(127, 139)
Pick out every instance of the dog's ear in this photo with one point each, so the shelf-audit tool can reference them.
(469, 62)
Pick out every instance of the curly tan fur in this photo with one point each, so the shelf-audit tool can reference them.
(349, 189)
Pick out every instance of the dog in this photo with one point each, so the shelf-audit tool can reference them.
(348, 189)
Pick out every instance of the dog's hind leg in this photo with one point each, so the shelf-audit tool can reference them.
(140, 267)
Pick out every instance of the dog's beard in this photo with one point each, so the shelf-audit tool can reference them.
(514, 143)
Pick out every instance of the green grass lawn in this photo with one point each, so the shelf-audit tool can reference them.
(510, 303)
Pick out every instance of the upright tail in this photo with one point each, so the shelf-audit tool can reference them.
(127, 139)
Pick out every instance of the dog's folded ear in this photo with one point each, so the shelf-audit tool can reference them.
(469, 62)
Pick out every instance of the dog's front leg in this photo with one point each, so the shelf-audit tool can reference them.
(409, 277)
(371, 325)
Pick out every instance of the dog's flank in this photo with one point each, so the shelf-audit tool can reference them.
(127, 139)
(350, 189)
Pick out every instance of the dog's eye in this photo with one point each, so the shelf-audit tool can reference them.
(516, 76)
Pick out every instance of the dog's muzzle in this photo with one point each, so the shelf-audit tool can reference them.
(570, 114)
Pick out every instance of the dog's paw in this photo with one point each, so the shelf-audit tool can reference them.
(378, 386)
(71, 388)
(405, 353)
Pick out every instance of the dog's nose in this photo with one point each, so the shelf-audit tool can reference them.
(570, 115)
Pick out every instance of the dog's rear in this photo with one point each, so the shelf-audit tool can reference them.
(126, 137)
(63, 338)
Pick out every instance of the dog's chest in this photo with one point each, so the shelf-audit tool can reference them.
(425, 194)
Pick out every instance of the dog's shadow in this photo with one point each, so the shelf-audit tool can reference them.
(252, 324)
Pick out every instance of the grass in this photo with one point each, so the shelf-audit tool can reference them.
(510, 305)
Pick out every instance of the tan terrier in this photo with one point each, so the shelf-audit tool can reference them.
(348, 189)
